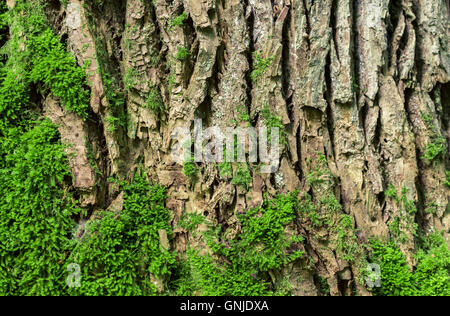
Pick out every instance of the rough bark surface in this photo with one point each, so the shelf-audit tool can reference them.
(365, 83)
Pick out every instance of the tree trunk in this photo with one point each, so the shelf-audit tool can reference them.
(361, 89)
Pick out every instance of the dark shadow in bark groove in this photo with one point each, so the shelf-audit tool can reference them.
(308, 24)
(333, 23)
(251, 49)
(329, 112)
(445, 117)
(395, 11)
(355, 61)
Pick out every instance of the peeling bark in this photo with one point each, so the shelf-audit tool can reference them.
(352, 80)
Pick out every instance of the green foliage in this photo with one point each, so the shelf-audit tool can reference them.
(14, 74)
(243, 115)
(208, 278)
(261, 65)
(408, 206)
(127, 252)
(97, 3)
(328, 212)
(321, 174)
(155, 101)
(3, 20)
(396, 279)
(330, 203)
(432, 273)
(130, 78)
(39, 59)
(190, 221)
(111, 79)
(322, 213)
(171, 80)
(347, 245)
(430, 277)
(112, 123)
(431, 208)
(273, 121)
(241, 266)
(266, 226)
(396, 230)
(182, 53)
(190, 170)
(447, 179)
(242, 177)
(437, 147)
(324, 287)
(37, 208)
(35, 212)
(179, 20)
(404, 222)
(59, 72)
(309, 209)
(226, 170)
(392, 193)
(122, 251)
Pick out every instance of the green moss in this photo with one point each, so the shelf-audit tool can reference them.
(395, 228)
(321, 174)
(112, 123)
(243, 177)
(309, 209)
(3, 21)
(38, 59)
(261, 65)
(437, 147)
(447, 179)
(130, 79)
(182, 53)
(243, 115)
(190, 222)
(429, 278)
(59, 72)
(122, 251)
(112, 80)
(179, 20)
(190, 170)
(226, 170)
(431, 208)
(36, 211)
(408, 206)
(392, 193)
(347, 246)
(273, 121)
(327, 212)
(155, 101)
(432, 273)
(97, 3)
(403, 222)
(241, 266)
(324, 287)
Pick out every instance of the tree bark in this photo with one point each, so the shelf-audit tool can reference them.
(366, 84)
